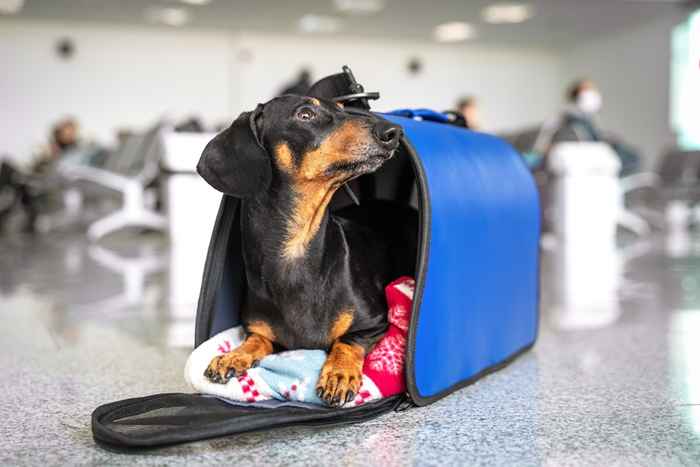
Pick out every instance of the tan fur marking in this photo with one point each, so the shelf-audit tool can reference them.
(256, 345)
(284, 157)
(337, 147)
(306, 218)
(254, 348)
(314, 188)
(263, 329)
(315, 102)
(341, 325)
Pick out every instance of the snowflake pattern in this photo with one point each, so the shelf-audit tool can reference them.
(388, 356)
(398, 316)
(225, 347)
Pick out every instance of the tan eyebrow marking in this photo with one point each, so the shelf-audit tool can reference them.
(315, 102)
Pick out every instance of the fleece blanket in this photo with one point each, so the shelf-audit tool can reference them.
(292, 375)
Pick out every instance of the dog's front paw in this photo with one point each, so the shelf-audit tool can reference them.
(230, 365)
(341, 376)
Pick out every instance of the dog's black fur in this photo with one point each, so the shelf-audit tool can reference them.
(315, 280)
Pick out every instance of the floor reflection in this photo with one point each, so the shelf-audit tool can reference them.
(584, 288)
(685, 341)
(120, 281)
(133, 273)
(614, 377)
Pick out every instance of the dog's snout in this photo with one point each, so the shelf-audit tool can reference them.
(387, 133)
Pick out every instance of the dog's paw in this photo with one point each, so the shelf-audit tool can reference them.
(230, 365)
(339, 382)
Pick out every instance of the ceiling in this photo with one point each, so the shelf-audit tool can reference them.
(556, 22)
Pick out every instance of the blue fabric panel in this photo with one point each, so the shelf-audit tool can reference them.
(480, 300)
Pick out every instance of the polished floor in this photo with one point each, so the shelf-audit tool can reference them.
(613, 380)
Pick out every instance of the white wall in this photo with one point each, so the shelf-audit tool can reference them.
(119, 77)
(129, 76)
(124, 76)
(515, 86)
(632, 68)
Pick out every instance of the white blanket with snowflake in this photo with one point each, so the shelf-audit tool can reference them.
(292, 375)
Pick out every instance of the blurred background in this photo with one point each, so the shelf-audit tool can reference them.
(106, 105)
(125, 64)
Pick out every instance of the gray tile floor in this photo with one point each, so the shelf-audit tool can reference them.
(626, 393)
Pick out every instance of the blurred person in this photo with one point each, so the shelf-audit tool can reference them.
(577, 123)
(23, 191)
(31, 191)
(468, 110)
(16, 195)
(300, 86)
(66, 146)
(191, 124)
(65, 135)
(63, 139)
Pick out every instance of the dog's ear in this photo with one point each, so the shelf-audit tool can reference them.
(235, 161)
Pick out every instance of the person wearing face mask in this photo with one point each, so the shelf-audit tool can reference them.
(578, 124)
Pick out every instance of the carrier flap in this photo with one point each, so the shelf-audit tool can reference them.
(476, 303)
(165, 419)
(223, 279)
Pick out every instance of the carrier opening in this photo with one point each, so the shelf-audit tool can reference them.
(394, 186)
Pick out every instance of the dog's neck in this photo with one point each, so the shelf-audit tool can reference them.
(309, 217)
(289, 223)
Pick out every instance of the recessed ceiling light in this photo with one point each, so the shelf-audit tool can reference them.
(196, 2)
(10, 7)
(319, 24)
(507, 13)
(359, 7)
(454, 31)
(168, 15)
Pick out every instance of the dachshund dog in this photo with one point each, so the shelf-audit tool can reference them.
(315, 280)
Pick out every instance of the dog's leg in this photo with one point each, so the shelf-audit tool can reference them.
(235, 363)
(341, 375)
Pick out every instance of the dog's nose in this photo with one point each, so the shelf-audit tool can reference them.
(387, 133)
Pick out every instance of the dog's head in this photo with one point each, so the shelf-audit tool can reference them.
(299, 139)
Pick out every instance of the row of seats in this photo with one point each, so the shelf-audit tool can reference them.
(645, 195)
(129, 172)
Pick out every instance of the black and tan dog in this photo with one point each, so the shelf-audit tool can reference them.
(315, 280)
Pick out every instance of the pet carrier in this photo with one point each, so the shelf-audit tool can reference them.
(475, 304)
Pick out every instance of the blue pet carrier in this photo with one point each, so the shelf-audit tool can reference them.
(476, 299)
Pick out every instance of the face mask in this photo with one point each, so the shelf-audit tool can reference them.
(589, 101)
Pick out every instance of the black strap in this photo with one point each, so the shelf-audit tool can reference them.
(343, 88)
(165, 419)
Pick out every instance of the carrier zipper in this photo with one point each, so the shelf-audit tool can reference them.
(406, 403)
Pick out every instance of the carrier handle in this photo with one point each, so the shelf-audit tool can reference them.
(421, 114)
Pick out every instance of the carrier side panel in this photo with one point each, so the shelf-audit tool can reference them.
(480, 294)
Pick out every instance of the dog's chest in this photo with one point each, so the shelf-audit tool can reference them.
(300, 318)
(305, 327)
(308, 316)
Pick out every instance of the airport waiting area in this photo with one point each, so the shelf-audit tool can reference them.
(350, 232)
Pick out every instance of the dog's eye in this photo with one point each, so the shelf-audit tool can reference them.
(306, 114)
